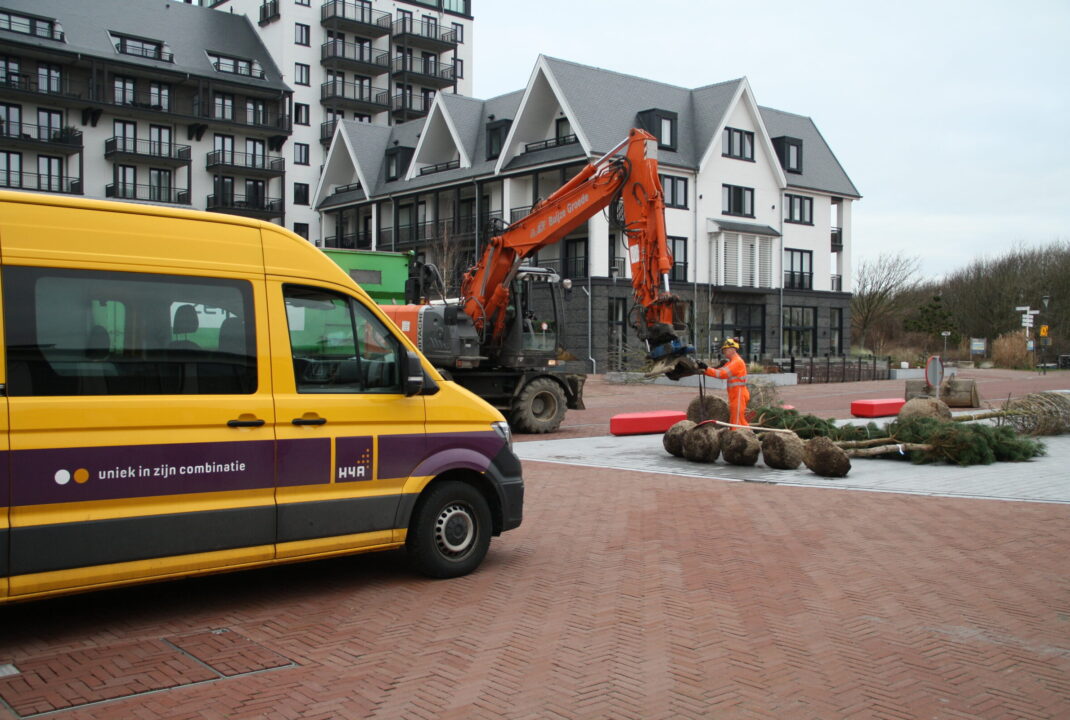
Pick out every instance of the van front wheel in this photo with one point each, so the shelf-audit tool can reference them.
(450, 530)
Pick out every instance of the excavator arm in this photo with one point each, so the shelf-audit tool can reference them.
(633, 177)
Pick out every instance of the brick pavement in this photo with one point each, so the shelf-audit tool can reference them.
(624, 595)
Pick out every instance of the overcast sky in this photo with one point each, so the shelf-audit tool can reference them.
(951, 118)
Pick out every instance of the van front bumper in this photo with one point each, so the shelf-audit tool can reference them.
(506, 474)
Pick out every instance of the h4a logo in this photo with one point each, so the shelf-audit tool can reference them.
(353, 457)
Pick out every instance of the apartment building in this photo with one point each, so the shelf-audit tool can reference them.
(143, 101)
(373, 61)
(758, 207)
(226, 107)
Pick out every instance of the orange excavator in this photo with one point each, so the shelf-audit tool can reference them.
(491, 340)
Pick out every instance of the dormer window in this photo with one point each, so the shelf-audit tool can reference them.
(30, 25)
(236, 66)
(738, 144)
(496, 132)
(397, 161)
(789, 150)
(662, 124)
(141, 47)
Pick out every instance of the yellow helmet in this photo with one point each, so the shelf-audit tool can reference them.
(730, 343)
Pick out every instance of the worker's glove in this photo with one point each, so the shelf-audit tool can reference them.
(701, 365)
(724, 361)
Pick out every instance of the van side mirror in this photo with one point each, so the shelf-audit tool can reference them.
(417, 381)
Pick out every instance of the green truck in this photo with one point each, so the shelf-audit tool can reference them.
(381, 274)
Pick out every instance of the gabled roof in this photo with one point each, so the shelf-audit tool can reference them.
(821, 170)
(188, 30)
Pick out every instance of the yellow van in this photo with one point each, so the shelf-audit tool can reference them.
(189, 392)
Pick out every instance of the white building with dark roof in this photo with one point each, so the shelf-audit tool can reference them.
(758, 207)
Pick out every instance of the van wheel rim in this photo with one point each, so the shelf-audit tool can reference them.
(455, 530)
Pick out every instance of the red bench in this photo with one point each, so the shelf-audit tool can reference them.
(876, 408)
(645, 423)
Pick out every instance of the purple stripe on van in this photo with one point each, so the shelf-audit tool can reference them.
(399, 455)
(304, 461)
(108, 473)
(4, 484)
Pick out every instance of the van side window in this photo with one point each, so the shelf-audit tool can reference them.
(338, 345)
(84, 332)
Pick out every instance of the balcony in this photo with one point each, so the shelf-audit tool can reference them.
(617, 267)
(269, 12)
(159, 153)
(837, 239)
(253, 206)
(149, 193)
(34, 85)
(349, 241)
(355, 56)
(551, 143)
(240, 114)
(425, 35)
(431, 73)
(248, 164)
(241, 69)
(795, 280)
(837, 283)
(18, 180)
(144, 50)
(440, 167)
(358, 18)
(41, 137)
(409, 105)
(355, 96)
(519, 213)
(327, 131)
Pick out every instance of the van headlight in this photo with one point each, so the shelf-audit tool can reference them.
(503, 429)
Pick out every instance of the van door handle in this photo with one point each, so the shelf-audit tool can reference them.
(244, 423)
(309, 421)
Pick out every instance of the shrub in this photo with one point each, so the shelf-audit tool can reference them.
(1008, 351)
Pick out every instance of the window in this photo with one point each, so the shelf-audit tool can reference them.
(300, 153)
(81, 332)
(256, 194)
(737, 200)
(50, 173)
(9, 70)
(152, 49)
(124, 90)
(392, 166)
(793, 162)
(160, 185)
(743, 321)
(160, 140)
(236, 66)
(301, 114)
(738, 144)
(224, 149)
(30, 25)
(458, 33)
(125, 136)
(255, 153)
(800, 330)
(125, 182)
(300, 193)
(49, 124)
(675, 190)
(575, 265)
(496, 132)
(458, 69)
(798, 269)
(338, 345)
(223, 106)
(562, 128)
(302, 34)
(50, 78)
(10, 120)
(301, 229)
(678, 248)
(799, 209)
(662, 124)
(301, 74)
(666, 132)
(306, 3)
(836, 331)
(255, 112)
(160, 96)
(10, 169)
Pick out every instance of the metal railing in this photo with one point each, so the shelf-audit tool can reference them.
(252, 161)
(147, 148)
(269, 11)
(355, 52)
(426, 67)
(349, 241)
(144, 51)
(18, 180)
(617, 266)
(423, 29)
(151, 193)
(347, 188)
(837, 283)
(35, 27)
(42, 133)
(361, 92)
(410, 102)
(833, 368)
(552, 142)
(233, 67)
(27, 82)
(356, 12)
(440, 167)
(795, 280)
(327, 130)
(519, 213)
(244, 202)
(836, 235)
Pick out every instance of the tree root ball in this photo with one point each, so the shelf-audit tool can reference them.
(826, 458)
(701, 443)
(924, 407)
(673, 439)
(782, 451)
(740, 447)
(707, 407)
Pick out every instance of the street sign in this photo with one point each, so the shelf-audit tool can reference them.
(1045, 342)
(978, 346)
(1029, 346)
(1032, 312)
(1043, 331)
(1022, 308)
(1027, 321)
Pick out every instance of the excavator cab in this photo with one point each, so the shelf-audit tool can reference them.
(533, 320)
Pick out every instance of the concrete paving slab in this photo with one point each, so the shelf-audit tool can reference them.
(1044, 479)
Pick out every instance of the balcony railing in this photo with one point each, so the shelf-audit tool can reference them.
(234, 68)
(18, 180)
(37, 28)
(411, 103)
(837, 239)
(519, 213)
(327, 130)
(374, 22)
(357, 53)
(429, 32)
(427, 68)
(349, 241)
(269, 11)
(440, 167)
(41, 133)
(837, 283)
(144, 51)
(245, 202)
(617, 266)
(139, 99)
(43, 85)
(151, 193)
(795, 280)
(346, 188)
(147, 148)
(248, 161)
(355, 92)
(552, 142)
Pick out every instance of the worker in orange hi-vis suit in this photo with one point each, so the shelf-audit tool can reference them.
(735, 372)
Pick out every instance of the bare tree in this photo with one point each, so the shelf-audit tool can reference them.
(881, 286)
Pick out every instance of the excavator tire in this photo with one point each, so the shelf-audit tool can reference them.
(539, 408)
